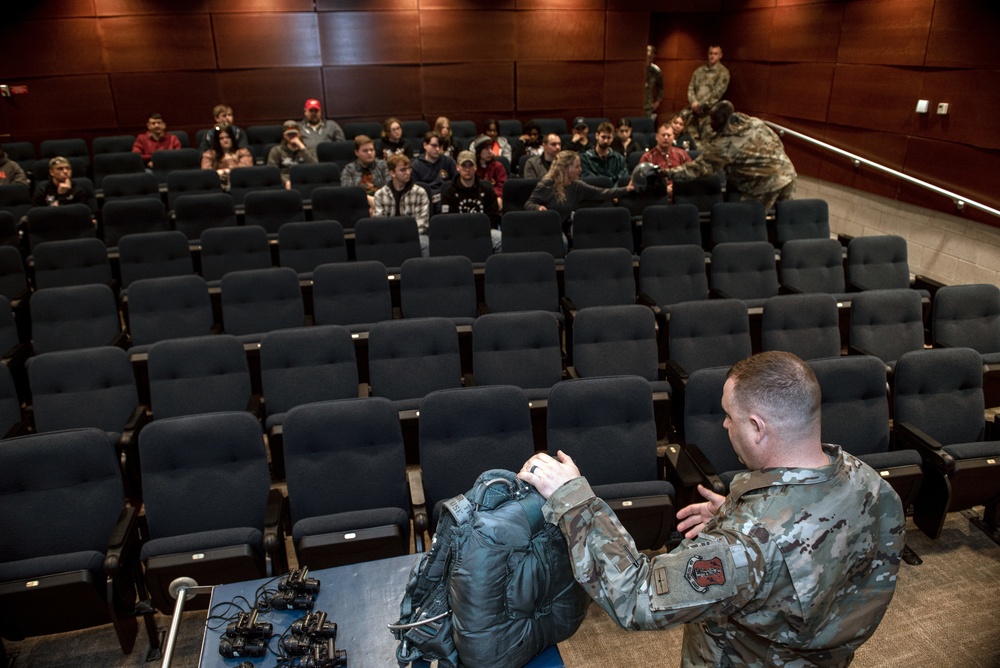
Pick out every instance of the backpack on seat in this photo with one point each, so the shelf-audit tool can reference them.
(496, 588)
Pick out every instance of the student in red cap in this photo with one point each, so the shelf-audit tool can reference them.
(315, 128)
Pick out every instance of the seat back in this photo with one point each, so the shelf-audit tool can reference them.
(191, 181)
(521, 348)
(306, 177)
(704, 418)
(351, 293)
(438, 287)
(243, 180)
(704, 192)
(855, 412)
(261, 300)
(887, 323)
(271, 209)
(67, 148)
(673, 274)
(603, 227)
(599, 277)
(967, 316)
(13, 279)
(78, 316)
(132, 216)
(153, 255)
(106, 164)
(112, 144)
(56, 223)
(813, 265)
(171, 307)
(391, 240)
(805, 325)
(466, 234)
(71, 262)
(744, 270)
(709, 333)
(671, 225)
(306, 365)
(531, 231)
(940, 392)
(339, 153)
(415, 129)
(801, 219)
(344, 204)
(516, 193)
(227, 249)
(204, 374)
(521, 282)
(126, 186)
(738, 221)
(878, 263)
(615, 340)
(408, 359)
(368, 128)
(547, 126)
(193, 214)
(169, 161)
(93, 387)
(305, 246)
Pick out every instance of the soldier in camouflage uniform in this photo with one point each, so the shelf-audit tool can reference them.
(707, 86)
(795, 567)
(654, 84)
(751, 154)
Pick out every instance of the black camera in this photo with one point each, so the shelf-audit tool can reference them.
(325, 655)
(240, 646)
(246, 624)
(245, 637)
(309, 632)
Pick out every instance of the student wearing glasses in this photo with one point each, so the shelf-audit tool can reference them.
(433, 169)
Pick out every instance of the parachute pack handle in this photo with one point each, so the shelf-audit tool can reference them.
(413, 625)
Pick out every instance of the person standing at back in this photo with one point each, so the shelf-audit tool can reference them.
(708, 85)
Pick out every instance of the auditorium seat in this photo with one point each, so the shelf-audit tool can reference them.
(261, 300)
(391, 240)
(306, 177)
(305, 246)
(466, 234)
(603, 227)
(71, 262)
(140, 215)
(226, 249)
(805, 325)
(271, 209)
(153, 255)
(193, 214)
(530, 231)
(79, 316)
(346, 205)
(672, 225)
(745, 271)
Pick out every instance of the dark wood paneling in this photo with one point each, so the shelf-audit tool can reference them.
(223, 6)
(627, 34)
(875, 97)
(63, 105)
(748, 86)
(457, 36)
(666, 6)
(266, 40)
(625, 84)
(365, 38)
(21, 11)
(963, 33)
(184, 98)
(494, 5)
(364, 5)
(272, 95)
(577, 35)
(806, 33)
(968, 171)
(973, 97)
(461, 87)
(746, 35)
(592, 5)
(885, 148)
(685, 36)
(153, 43)
(885, 32)
(559, 85)
(800, 90)
(45, 48)
(736, 5)
(374, 91)
(676, 77)
(144, 7)
(615, 113)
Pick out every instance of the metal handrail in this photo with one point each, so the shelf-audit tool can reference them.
(960, 202)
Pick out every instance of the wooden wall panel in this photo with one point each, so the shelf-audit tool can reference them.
(625, 85)
(973, 97)
(737, 5)
(462, 87)
(666, 6)
(457, 36)
(627, 35)
(687, 36)
(559, 85)
(58, 47)
(252, 6)
(807, 159)
(272, 95)
(154, 44)
(374, 91)
(563, 5)
(559, 36)
(184, 98)
(745, 35)
(495, 5)
(800, 90)
(963, 169)
(368, 38)
(676, 77)
(365, 5)
(875, 97)
(266, 40)
(806, 33)
(962, 33)
(885, 32)
(144, 7)
(885, 148)
(22, 11)
(63, 106)
(748, 86)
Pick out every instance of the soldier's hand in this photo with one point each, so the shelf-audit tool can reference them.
(694, 517)
(547, 474)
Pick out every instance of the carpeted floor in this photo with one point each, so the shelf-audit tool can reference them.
(945, 613)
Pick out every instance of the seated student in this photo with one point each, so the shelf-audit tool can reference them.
(401, 197)
(530, 143)
(433, 169)
(392, 141)
(537, 166)
(155, 138)
(682, 138)
(501, 147)
(59, 189)
(488, 168)
(442, 126)
(224, 155)
(367, 171)
(562, 190)
(600, 160)
(467, 193)
(580, 141)
(315, 129)
(10, 171)
(665, 155)
(624, 143)
(291, 151)
(224, 117)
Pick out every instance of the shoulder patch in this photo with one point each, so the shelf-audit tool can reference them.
(704, 573)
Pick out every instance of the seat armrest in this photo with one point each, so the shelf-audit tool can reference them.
(716, 293)
(676, 374)
(484, 308)
(645, 300)
(274, 529)
(571, 372)
(122, 539)
(910, 437)
(255, 406)
(710, 477)
(569, 309)
(418, 504)
(364, 390)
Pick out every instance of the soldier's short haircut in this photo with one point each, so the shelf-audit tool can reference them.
(361, 140)
(395, 160)
(778, 386)
(604, 126)
(721, 111)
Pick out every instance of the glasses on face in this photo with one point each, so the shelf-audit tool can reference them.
(434, 145)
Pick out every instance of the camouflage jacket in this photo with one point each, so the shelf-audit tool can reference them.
(654, 87)
(796, 568)
(708, 85)
(752, 155)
